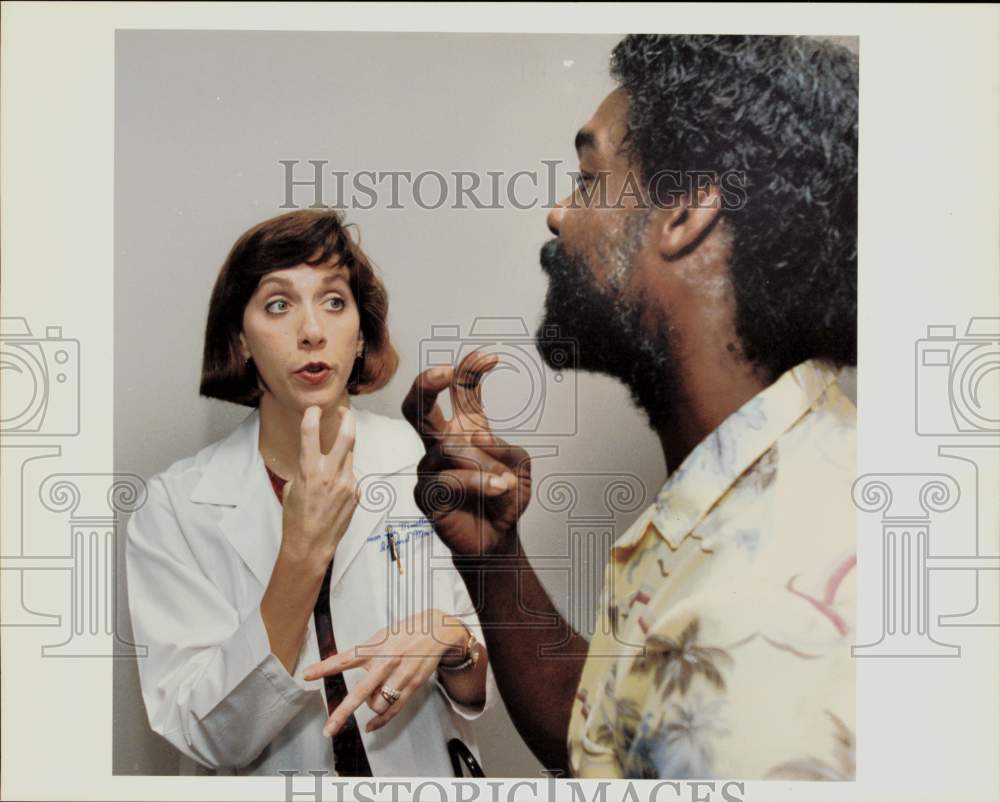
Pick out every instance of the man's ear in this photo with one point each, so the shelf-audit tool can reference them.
(685, 224)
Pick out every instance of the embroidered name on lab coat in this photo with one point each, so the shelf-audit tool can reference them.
(402, 532)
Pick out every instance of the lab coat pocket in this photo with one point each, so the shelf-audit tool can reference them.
(404, 562)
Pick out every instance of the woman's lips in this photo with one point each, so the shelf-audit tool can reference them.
(310, 377)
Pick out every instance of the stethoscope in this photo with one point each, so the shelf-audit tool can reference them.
(461, 756)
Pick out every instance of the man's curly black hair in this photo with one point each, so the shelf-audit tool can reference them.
(784, 111)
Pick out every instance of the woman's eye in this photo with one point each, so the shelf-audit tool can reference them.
(335, 303)
(583, 179)
(276, 306)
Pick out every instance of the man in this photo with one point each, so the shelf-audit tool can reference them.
(725, 303)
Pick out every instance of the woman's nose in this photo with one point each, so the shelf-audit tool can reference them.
(310, 331)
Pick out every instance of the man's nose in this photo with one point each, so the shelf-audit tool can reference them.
(554, 218)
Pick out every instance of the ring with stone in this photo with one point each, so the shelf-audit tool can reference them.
(391, 695)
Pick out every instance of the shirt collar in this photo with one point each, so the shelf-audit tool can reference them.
(722, 457)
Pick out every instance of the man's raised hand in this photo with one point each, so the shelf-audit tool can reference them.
(471, 484)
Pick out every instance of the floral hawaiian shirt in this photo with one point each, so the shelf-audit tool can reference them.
(723, 643)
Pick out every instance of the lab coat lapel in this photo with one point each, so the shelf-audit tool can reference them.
(235, 477)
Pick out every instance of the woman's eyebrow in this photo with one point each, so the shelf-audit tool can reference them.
(341, 274)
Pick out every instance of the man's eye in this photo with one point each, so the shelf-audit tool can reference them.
(583, 180)
(276, 306)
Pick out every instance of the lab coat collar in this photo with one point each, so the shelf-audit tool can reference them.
(235, 476)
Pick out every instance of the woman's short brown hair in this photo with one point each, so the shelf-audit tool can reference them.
(314, 237)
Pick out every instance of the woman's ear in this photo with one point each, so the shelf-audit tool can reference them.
(360, 352)
(687, 222)
(244, 349)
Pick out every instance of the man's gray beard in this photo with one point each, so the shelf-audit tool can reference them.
(606, 326)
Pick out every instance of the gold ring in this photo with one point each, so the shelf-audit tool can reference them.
(391, 695)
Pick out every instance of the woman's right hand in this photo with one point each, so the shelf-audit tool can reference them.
(320, 499)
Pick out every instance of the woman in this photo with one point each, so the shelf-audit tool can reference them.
(296, 540)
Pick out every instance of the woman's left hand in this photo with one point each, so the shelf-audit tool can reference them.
(404, 662)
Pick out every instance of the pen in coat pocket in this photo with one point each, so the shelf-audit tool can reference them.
(390, 536)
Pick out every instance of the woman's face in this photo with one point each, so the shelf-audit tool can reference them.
(302, 328)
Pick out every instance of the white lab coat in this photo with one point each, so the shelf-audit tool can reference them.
(199, 556)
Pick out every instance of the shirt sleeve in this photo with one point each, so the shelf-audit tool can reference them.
(209, 682)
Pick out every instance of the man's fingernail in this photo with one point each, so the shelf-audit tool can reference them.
(498, 483)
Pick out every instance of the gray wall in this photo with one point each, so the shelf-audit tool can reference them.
(202, 121)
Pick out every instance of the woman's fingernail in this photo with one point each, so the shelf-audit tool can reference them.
(497, 483)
